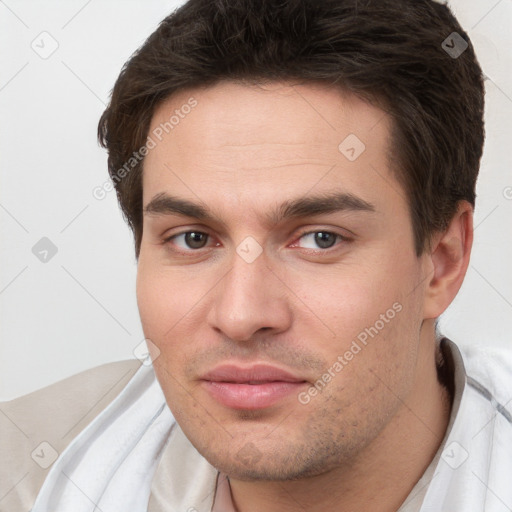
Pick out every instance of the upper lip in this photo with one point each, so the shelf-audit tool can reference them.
(249, 374)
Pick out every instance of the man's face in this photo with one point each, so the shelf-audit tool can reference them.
(253, 304)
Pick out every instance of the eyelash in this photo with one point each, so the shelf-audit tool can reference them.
(338, 236)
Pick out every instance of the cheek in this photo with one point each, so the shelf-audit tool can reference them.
(163, 308)
(173, 305)
(352, 300)
(372, 317)
(161, 301)
(371, 365)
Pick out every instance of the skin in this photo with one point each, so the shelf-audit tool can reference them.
(364, 441)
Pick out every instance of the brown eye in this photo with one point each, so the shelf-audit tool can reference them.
(195, 239)
(188, 240)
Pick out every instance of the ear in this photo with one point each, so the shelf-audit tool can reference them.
(448, 261)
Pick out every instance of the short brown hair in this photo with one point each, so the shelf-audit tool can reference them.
(391, 52)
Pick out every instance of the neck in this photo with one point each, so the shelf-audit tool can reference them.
(380, 478)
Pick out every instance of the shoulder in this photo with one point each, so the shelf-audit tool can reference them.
(36, 427)
(490, 367)
(477, 453)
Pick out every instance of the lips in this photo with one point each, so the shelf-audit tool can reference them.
(252, 387)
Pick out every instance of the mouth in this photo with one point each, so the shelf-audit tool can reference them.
(250, 388)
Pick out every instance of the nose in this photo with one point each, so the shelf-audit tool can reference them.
(249, 299)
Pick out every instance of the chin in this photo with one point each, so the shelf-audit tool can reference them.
(251, 464)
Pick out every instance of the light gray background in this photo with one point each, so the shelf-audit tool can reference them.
(78, 309)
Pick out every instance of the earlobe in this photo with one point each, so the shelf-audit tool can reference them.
(449, 261)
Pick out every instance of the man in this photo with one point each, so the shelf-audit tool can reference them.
(300, 180)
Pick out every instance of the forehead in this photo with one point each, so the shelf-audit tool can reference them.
(231, 143)
(289, 113)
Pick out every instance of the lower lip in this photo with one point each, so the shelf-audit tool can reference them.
(251, 396)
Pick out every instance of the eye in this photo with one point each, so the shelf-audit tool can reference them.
(321, 239)
(189, 240)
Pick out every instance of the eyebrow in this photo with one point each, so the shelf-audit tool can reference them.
(307, 206)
